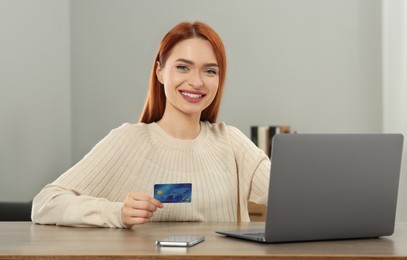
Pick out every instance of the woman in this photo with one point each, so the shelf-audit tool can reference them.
(176, 141)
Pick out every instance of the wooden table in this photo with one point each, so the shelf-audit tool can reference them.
(24, 240)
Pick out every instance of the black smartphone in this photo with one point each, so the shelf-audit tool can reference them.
(183, 241)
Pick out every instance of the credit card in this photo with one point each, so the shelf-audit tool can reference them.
(173, 192)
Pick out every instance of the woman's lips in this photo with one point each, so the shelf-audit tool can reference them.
(192, 96)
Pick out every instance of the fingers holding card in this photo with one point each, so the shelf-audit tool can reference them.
(138, 208)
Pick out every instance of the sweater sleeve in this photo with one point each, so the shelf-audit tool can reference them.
(74, 198)
(59, 205)
(253, 167)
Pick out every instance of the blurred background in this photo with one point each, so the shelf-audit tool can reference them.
(71, 71)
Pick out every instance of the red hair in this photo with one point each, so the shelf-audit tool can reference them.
(155, 102)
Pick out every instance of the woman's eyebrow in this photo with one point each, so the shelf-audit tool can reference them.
(186, 61)
(211, 65)
(192, 63)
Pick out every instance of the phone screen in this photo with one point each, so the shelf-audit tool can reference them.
(180, 241)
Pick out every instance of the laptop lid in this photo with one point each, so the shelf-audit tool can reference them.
(332, 186)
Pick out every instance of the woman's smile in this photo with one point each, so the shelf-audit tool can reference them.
(192, 96)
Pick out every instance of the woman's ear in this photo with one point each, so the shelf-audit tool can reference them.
(159, 73)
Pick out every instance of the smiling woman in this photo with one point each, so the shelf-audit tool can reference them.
(213, 45)
(190, 85)
(177, 141)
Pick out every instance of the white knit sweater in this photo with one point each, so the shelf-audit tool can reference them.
(225, 168)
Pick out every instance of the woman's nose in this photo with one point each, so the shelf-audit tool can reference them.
(196, 80)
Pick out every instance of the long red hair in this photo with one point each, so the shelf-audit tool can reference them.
(155, 102)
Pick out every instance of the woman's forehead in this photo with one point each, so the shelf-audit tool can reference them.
(196, 50)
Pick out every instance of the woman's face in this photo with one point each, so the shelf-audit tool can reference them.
(190, 77)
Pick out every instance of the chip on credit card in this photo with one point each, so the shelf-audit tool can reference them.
(173, 192)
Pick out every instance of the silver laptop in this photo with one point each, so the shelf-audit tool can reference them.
(330, 186)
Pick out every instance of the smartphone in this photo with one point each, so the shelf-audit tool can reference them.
(184, 241)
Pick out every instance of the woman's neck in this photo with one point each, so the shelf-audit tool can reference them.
(186, 128)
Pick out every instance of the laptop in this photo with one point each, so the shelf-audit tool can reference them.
(330, 187)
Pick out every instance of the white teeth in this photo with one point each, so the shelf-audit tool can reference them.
(191, 95)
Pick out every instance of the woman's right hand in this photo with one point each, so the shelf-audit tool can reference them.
(138, 208)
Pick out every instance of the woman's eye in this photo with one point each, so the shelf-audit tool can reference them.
(182, 67)
(211, 72)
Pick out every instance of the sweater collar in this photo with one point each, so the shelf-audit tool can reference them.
(160, 135)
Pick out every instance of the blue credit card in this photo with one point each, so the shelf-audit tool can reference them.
(173, 192)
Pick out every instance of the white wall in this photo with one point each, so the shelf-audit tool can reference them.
(35, 125)
(395, 83)
(315, 64)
